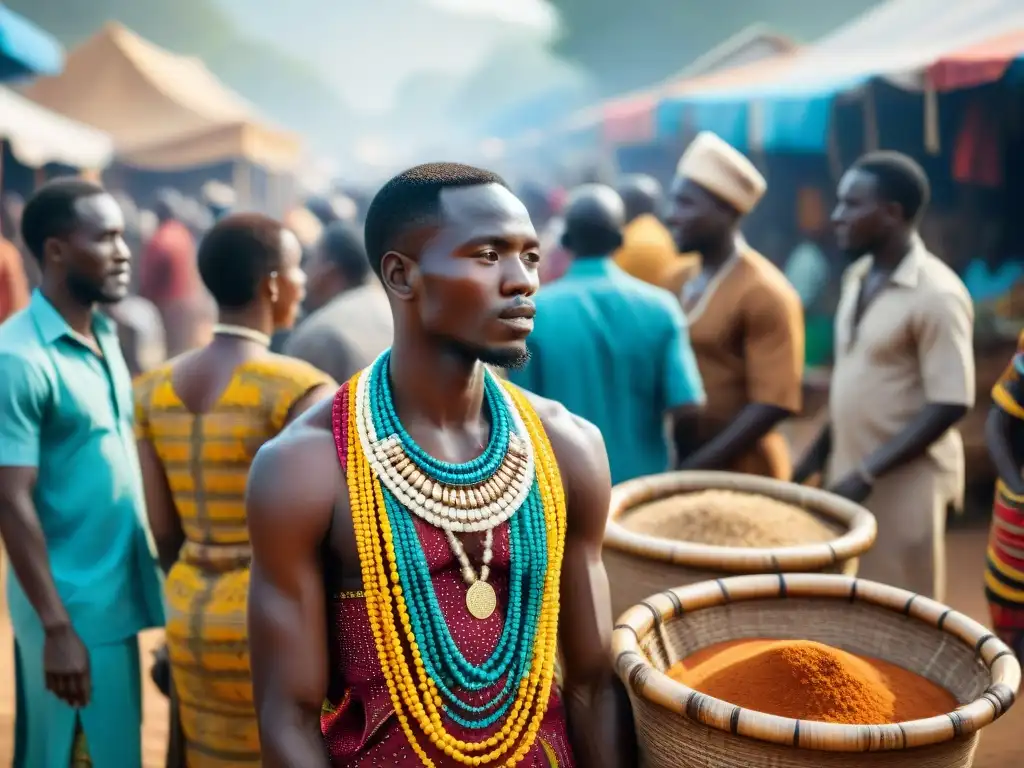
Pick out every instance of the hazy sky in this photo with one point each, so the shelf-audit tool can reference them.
(366, 48)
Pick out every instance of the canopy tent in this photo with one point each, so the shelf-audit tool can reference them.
(230, 140)
(637, 119)
(148, 99)
(898, 41)
(629, 118)
(25, 49)
(38, 136)
(978, 64)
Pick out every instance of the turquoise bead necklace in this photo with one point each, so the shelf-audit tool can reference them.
(446, 665)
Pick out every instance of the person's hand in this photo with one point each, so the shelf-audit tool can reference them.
(66, 666)
(804, 471)
(853, 487)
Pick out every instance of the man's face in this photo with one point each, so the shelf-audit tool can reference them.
(695, 217)
(476, 275)
(96, 258)
(860, 220)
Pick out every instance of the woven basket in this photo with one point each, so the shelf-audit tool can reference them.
(639, 565)
(678, 727)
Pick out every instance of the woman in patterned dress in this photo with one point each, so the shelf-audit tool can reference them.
(200, 420)
(1004, 569)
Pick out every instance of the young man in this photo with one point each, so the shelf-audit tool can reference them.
(72, 514)
(746, 323)
(610, 347)
(458, 256)
(903, 375)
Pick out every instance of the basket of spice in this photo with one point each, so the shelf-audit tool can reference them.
(679, 528)
(802, 670)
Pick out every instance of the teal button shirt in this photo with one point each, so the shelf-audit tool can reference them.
(68, 412)
(615, 351)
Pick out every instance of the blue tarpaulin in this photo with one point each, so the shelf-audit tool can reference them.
(784, 121)
(25, 49)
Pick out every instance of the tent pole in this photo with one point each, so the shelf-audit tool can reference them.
(833, 152)
(932, 138)
(870, 120)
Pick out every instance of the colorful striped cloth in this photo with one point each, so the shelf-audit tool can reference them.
(1004, 568)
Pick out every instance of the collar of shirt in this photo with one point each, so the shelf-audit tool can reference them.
(52, 326)
(907, 272)
(592, 266)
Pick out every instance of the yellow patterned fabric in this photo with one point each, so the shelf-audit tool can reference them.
(80, 749)
(206, 459)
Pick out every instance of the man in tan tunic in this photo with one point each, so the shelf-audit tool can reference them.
(903, 376)
(746, 322)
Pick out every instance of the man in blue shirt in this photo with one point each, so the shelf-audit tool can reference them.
(609, 347)
(72, 510)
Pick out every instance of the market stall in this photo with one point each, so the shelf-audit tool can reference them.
(168, 114)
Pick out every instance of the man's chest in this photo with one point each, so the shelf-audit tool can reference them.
(877, 327)
(91, 396)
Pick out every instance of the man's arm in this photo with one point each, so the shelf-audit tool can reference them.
(816, 456)
(1006, 410)
(289, 502)
(600, 721)
(774, 351)
(23, 393)
(998, 426)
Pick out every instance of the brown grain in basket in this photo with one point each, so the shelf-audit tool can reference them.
(728, 518)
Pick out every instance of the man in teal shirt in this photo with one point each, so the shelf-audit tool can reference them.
(72, 510)
(609, 347)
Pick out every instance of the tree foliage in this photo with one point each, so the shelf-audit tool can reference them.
(633, 44)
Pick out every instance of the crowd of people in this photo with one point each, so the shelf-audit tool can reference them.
(376, 485)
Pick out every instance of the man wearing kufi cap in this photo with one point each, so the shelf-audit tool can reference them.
(746, 322)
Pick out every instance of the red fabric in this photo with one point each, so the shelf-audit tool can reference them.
(977, 64)
(629, 120)
(362, 729)
(168, 270)
(13, 282)
(976, 156)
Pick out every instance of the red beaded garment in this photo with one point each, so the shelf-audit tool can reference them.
(359, 724)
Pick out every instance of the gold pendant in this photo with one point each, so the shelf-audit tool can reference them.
(481, 600)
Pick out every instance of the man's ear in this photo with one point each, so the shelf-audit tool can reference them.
(400, 274)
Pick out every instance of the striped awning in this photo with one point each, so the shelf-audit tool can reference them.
(977, 64)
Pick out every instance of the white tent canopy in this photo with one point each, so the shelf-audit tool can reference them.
(897, 40)
(38, 136)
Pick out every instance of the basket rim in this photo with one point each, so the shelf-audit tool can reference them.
(860, 524)
(644, 680)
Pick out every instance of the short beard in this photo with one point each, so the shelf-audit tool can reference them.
(88, 294)
(509, 359)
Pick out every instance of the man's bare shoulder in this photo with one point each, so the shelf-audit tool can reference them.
(297, 473)
(578, 444)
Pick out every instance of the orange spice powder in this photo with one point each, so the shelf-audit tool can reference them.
(811, 681)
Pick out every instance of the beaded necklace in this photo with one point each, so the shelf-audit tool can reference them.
(514, 480)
